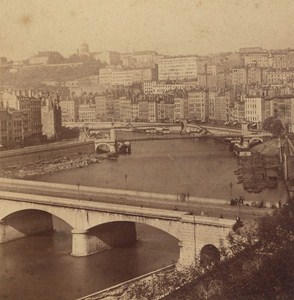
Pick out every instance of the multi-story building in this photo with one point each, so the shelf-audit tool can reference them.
(152, 111)
(177, 68)
(212, 104)
(159, 88)
(222, 106)
(87, 112)
(281, 107)
(181, 108)
(254, 109)
(125, 108)
(69, 110)
(198, 105)
(143, 110)
(239, 76)
(258, 59)
(126, 77)
(101, 107)
(5, 126)
(279, 60)
(128, 110)
(29, 105)
(11, 127)
(254, 75)
(280, 76)
(214, 69)
(166, 109)
(169, 111)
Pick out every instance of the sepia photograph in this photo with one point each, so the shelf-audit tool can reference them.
(146, 149)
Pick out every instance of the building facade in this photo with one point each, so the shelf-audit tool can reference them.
(198, 105)
(254, 109)
(177, 68)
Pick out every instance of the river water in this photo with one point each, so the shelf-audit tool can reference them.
(203, 168)
(41, 267)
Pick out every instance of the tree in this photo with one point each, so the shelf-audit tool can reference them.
(257, 264)
(263, 259)
(273, 125)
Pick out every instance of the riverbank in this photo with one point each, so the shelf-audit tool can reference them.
(50, 165)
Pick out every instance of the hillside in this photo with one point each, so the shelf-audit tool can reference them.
(31, 76)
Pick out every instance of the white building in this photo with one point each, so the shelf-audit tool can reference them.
(126, 77)
(254, 109)
(177, 68)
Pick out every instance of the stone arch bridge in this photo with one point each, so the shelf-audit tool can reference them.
(100, 226)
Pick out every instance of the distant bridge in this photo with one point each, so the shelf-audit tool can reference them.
(190, 132)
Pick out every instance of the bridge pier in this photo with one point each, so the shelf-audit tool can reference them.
(82, 243)
(103, 237)
(198, 232)
(24, 223)
(189, 249)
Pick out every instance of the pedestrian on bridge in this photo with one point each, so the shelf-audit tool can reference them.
(182, 196)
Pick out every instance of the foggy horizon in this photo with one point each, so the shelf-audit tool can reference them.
(166, 26)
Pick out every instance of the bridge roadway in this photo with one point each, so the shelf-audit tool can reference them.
(144, 200)
(162, 137)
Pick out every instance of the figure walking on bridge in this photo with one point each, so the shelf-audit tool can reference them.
(182, 127)
(188, 196)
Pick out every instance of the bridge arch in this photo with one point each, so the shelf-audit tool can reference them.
(16, 207)
(116, 234)
(102, 148)
(20, 212)
(209, 254)
(254, 141)
(26, 222)
(171, 228)
(158, 228)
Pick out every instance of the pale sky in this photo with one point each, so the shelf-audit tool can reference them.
(167, 26)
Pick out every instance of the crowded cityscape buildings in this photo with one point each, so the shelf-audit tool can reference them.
(222, 89)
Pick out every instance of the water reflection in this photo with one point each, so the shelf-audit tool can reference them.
(41, 267)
